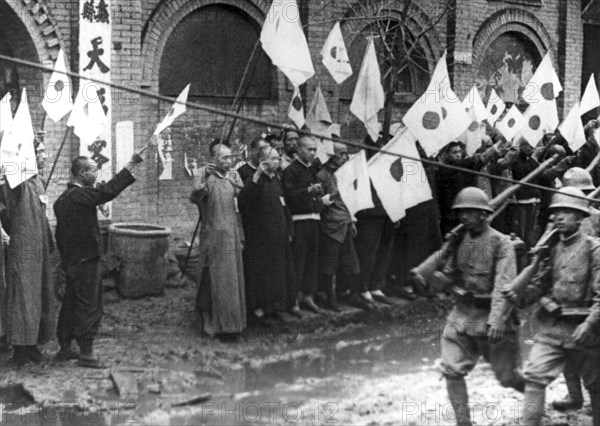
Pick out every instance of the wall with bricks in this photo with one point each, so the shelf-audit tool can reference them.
(141, 29)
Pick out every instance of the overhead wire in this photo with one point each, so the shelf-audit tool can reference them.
(255, 120)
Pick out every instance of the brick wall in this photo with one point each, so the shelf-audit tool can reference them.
(141, 28)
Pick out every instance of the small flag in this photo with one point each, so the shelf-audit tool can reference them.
(296, 110)
(87, 117)
(540, 118)
(284, 41)
(590, 99)
(495, 107)
(544, 85)
(354, 183)
(472, 136)
(512, 122)
(335, 55)
(572, 129)
(437, 117)
(369, 97)
(57, 97)
(177, 109)
(18, 153)
(319, 122)
(474, 102)
(6, 118)
(400, 183)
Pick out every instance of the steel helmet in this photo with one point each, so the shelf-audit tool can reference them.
(579, 178)
(564, 200)
(472, 198)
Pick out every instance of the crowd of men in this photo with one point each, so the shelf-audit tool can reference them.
(277, 239)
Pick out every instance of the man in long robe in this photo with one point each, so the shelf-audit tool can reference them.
(268, 230)
(221, 296)
(30, 302)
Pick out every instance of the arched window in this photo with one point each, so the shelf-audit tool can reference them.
(412, 77)
(508, 64)
(210, 48)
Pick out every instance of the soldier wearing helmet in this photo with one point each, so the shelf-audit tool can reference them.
(582, 179)
(477, 264)
(568, 287)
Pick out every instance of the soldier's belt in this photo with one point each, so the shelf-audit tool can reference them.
(480, 301)
(574, 313)
(554, 308)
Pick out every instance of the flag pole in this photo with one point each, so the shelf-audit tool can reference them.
(239, 107)
(62, 144)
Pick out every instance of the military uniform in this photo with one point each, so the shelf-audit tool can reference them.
(476, 267)
(484, 265)
(569, 282)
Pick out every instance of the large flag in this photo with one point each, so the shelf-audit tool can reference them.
(369, 96)
(512, 122)
(572, 129)
(284, 41)
(472, 136)
(544, 85)
(319, 122)
(296, 110)
(177, 109)
(474, 103)
(354, 183)
(88, 119)
(58, 99)
(495, 107)
(18, 153)
(540, 118)
(335, 55)
(400, 183)
(590, 99)
(438, 117)
(6, 118)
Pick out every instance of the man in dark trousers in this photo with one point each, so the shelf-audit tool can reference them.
(268, 230)
(303, 196)
(80, 245)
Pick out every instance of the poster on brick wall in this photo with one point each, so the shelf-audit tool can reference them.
(95, 48)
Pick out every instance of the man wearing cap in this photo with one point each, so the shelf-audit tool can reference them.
(568, 287)
(474, 267)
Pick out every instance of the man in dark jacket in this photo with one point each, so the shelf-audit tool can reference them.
(80, 245)
(303, 196)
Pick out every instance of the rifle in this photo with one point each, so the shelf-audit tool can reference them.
(594, 194)
(540, 253)
(594, 163)
(435, 268)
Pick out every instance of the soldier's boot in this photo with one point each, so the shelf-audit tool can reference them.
(534, 405)
(459, 398)
(595, 398)
(574, 400)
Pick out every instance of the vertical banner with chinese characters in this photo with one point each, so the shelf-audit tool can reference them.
(95, 47)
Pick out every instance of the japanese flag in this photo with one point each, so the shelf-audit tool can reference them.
(57, 96)
(512, 122)
(540, 118)
(544, 85)
(335, 55)
(354, 183)
(438, 117)
(369, 97)
(177, 109)
(87, 117)
(472, 136)
(18, 153)
(400, 183)
(474, 103)
(572, 129)
(296, 110)
(495, 107)
(6, 118)
(319, 122)
(284, 41)
(590, 99)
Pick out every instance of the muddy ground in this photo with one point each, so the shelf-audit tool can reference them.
(352, 368)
